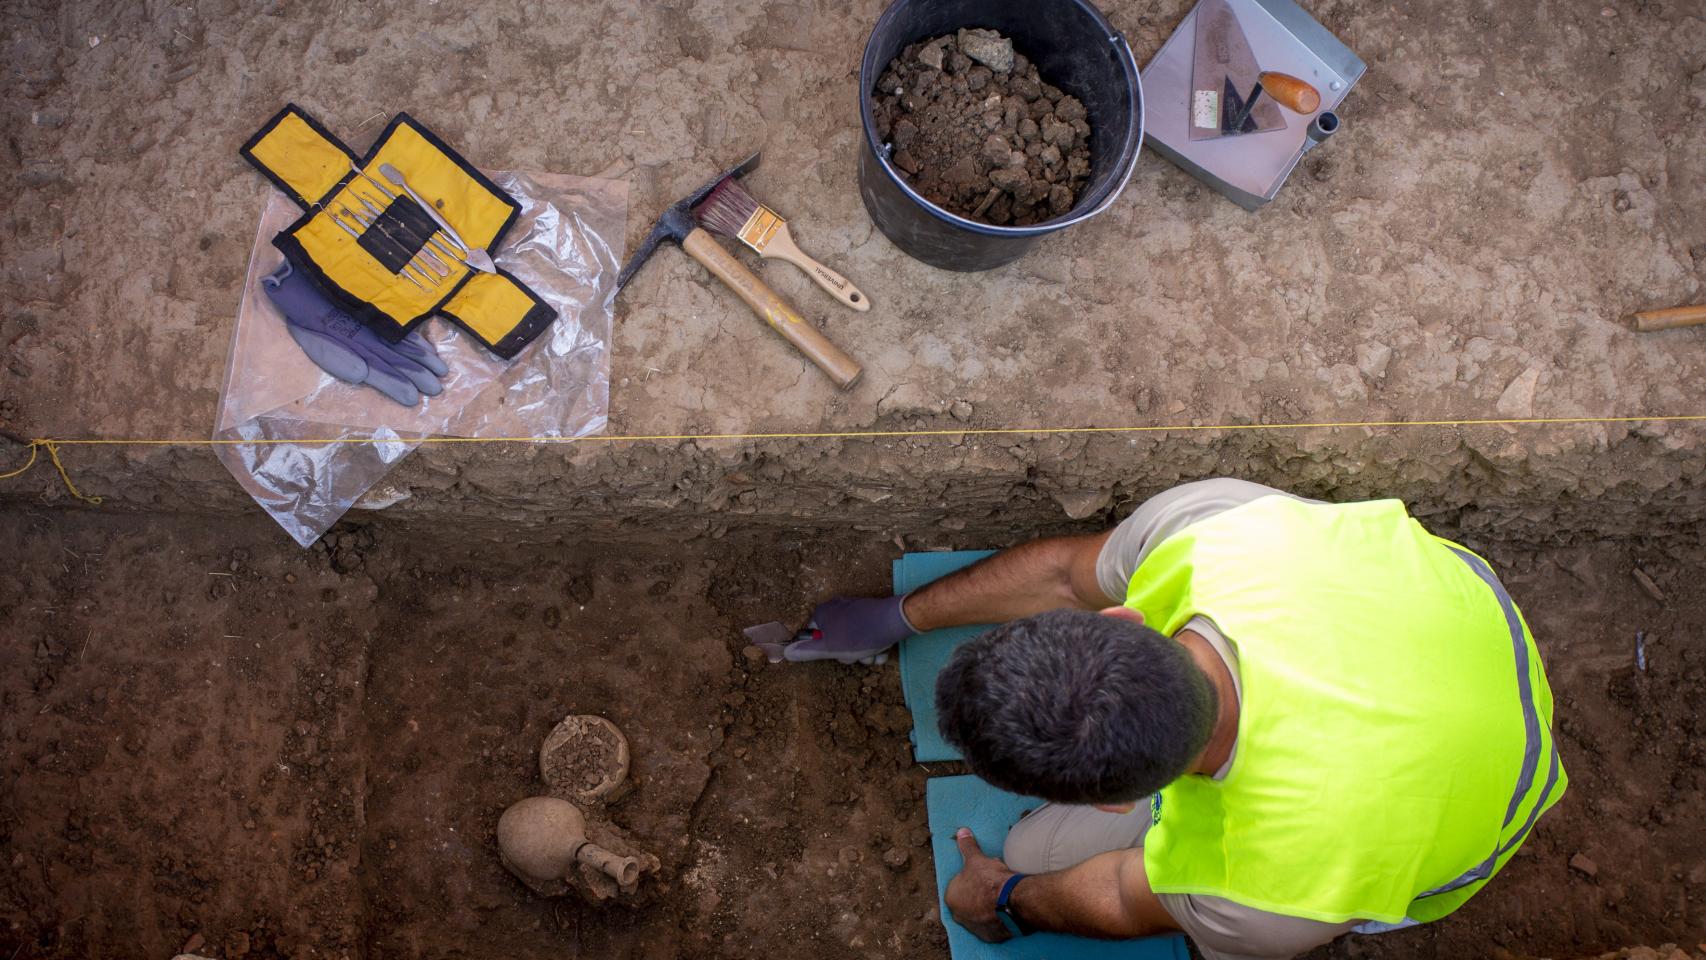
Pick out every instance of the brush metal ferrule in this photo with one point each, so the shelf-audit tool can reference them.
(760, 227)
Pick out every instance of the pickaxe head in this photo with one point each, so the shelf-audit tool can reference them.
(677, 221)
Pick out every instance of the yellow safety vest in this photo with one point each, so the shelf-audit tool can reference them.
(1394, 737)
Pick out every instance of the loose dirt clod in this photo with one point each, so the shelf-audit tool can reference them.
(978, 132)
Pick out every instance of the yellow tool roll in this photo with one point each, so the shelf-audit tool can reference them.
(368, 245)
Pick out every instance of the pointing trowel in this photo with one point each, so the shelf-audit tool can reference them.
(1230, 93)
(773, 636)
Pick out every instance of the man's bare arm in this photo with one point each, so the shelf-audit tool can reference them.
(1106, 896)
(1042, 575)
(1048, 574)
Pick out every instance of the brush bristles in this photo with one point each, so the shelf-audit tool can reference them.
(727, 209)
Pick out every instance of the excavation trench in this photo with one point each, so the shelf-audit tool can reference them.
(211, 737)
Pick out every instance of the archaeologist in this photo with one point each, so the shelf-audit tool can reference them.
(1304, 719)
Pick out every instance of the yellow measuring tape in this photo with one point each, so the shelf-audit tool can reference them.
(52, 446)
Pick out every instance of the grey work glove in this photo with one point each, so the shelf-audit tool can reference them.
(853, 630)
(344, 347)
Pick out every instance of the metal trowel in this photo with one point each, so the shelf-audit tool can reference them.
(773, 636)
(1230, 93)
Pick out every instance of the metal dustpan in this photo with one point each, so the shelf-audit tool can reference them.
(1278, 36)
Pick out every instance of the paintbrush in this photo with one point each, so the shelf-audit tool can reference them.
(732, 212)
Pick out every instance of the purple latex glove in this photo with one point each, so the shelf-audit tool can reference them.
(344, 347)
(853, 630)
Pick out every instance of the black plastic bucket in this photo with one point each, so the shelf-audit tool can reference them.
(1076, 49)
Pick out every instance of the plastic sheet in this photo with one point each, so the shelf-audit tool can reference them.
(316, 444)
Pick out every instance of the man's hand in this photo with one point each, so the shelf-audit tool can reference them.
(971, 894)
(853, 630)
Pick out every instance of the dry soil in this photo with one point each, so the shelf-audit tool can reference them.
(1512, 179)
(207, 733)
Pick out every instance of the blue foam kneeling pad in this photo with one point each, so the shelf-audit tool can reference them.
(966, 801)
(923, 656)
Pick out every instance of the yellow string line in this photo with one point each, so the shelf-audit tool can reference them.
(34, 448)
(872, 434)
(53, 454)
(52, 446)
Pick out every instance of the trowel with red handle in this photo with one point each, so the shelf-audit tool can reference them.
(1230, 93)
(773, 636)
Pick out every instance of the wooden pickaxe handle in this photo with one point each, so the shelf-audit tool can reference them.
(1649, 320)
(772, 309)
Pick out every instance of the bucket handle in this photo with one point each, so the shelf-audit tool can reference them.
(1119, 40)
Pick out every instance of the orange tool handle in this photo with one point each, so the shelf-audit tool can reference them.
(1649, 320)
(1290, 92)
(772, 309)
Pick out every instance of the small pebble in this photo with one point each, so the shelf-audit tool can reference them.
(905, 131)
(931, 55)
(988, 48)
(1581, 864)
(1010, 179)
(1057, 133)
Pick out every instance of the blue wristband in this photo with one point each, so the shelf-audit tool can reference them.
(1004, 909)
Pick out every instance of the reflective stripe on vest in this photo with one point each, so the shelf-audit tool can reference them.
(1530, 755)
(1531, 727)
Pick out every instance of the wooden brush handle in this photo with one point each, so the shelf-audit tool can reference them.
(1649, 320)
(772, 309)
(1290, 92)
(783, 247)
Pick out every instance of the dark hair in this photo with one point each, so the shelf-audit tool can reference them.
(1076, 707)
